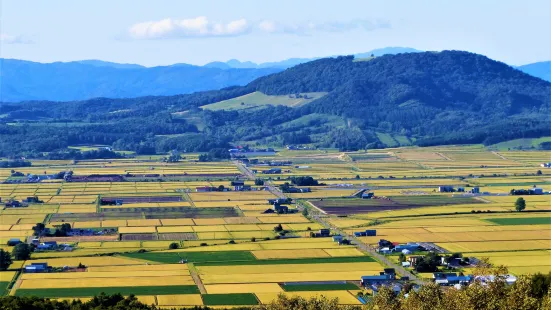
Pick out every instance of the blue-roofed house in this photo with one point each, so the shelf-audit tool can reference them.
(36, 268)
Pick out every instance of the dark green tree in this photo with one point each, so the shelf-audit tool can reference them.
(21, 251)
(5, 260)
(520, 204)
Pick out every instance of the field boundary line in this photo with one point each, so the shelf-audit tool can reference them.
(196, 278)
(443, 156)
(318, 209)
(188, 198)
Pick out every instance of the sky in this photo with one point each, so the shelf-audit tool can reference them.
(165, 32)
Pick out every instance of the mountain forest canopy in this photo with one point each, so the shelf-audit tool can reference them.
(429, 98)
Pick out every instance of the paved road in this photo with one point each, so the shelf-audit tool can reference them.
(319, 217)
(245, 170)
(381, 258)
(251, 176)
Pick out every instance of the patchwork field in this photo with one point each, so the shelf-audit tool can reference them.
(172, 244)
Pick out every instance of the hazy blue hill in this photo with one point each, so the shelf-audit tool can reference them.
(217, 64)
(101, 63)
(538, 69)
(25, 80)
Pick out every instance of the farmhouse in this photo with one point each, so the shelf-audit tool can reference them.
(280, 209)
(367, 195)
(240, 186)
(445, 189)
(272, 171)
(445, 279)
(367, 233)
(386, 276)
(37, 268)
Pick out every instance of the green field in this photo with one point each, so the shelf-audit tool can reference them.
(322, 260)
(319, 287)
(194, 257)
(243, 299)
(4, 288)
(92, 291)
(387, 139)
(258, 99)
(526, 143)
(521, 221)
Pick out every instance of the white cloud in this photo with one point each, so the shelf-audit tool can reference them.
(202, 27)
(9, 39)
(195, 27)
(329, 26)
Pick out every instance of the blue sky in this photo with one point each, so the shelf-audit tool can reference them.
(166, 32)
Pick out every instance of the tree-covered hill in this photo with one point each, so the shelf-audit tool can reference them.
(425, 98)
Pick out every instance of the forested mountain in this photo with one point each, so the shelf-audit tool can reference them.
(25, 80)
(538, 69)
(423, 98)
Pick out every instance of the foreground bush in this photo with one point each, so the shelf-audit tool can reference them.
(528, 293)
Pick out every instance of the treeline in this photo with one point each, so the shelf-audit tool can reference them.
(528, 293)
(17, 163)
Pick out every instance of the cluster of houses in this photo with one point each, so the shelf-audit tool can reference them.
(340, 240)
(293, 189)
(387, 247)
(279, 207)
(366, 233)
(451, 189)
(235, 185)
(293, 147)
(531, 191)
(455, 279)
(12, 203)
(322, 233)
(271, 163)
(50, 246)
(241, 151)
(270, 171)
(386, 278)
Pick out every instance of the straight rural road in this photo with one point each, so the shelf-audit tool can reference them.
(364, 247)
(251, 176)
(316, 216)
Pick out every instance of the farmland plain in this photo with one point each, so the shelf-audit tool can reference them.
(226, 249)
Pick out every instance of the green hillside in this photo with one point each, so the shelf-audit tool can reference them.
(526, 143)
(257, 99)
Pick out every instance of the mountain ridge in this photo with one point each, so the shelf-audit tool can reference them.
(430, 98)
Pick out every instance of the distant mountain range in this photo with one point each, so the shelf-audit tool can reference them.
(58, 81)
(291, 62)
(538, 69)
(85, 79)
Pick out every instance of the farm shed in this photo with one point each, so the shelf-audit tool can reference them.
(36, 268)
(14, 241)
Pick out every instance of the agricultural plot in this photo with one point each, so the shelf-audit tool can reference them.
(228, 241)
(359, 206)
(258, 99)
